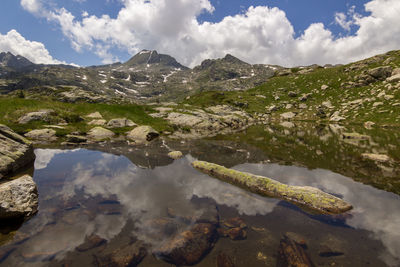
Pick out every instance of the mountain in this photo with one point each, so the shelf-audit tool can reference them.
(146, 77)
(17, 63)
(148, 58)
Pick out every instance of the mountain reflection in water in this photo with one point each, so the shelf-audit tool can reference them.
(84, 192)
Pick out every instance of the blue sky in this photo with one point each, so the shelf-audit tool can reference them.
(193, 30)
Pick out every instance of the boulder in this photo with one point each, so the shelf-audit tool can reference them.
(19, 198)
(304, 196)
(41, 115)
(181, 119)
(42, 135)
(98, 122)
(369, 125)
(393, 78)
(15, 151)
(175, 155)
(142, 134)
(190, 246)
(292, 94)
(99, 134)
(288, 115)
(382, 158)
(120, 122)
(94, 115)
(380, 72)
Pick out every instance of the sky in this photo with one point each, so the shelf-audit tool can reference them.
(282, 32)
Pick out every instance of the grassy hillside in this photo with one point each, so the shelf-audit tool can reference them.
(350, 90)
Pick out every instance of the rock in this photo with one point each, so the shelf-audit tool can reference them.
(393, 78)
(163, 109)
(42, 135)
(327, 104)
(261, 96)
(77, 139)
(289, 106)
(303, 106)
(41, 115)
(99, 134)
(91, 242)
(382, 158)
(287, 124)
(292, 254)
(336, 117)
(324, 87)
(19, 198)
(273, 108)
(189, 247)
(183, 119)
(288, 115)
(292, 94)
(377, 104)
(355, 136)
(175, 155)
(99, 122)
(368, 125)
(396, 71)
(16, 152)
(380, 72)
(321, 113)
(94, 115)
(304, 196)
(124, 256)
(142, 134)
(224, 260)
(122, 122)
(234, 228)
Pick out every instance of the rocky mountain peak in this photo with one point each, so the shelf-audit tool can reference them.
(151, 57)
(231, 59)
(7, 59)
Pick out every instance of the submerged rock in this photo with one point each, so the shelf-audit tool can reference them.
(125, 256)
(19, 198)
(234, 228)
(143, 134)
(292, 254)
(189, 247)
(15, 151)
(310, 197)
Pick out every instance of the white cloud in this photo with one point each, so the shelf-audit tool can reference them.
(258, 35)
(36, 52)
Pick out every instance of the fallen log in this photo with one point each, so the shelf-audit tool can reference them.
(305, 196)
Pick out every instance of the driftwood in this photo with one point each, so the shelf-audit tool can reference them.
(306, 196)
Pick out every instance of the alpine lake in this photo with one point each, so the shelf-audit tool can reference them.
(112, 204)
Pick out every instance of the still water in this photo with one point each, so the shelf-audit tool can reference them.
(112, 197)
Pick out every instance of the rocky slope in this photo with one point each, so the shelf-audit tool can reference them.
(147, 76)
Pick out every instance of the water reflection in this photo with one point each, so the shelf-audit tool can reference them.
(85, 193)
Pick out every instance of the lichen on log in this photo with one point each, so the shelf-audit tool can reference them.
(305, 196)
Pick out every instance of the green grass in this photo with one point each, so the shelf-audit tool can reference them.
(11, 109)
